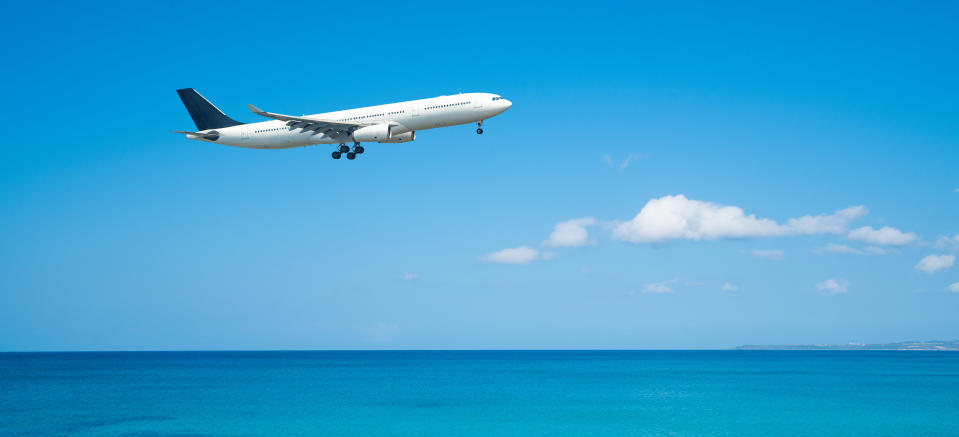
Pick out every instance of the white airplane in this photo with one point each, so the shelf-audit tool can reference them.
(392, 123)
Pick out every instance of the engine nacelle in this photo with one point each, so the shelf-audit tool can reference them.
(401, 138)
(376, 132)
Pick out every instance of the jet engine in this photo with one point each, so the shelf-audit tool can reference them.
(376, 132)
(401, 138)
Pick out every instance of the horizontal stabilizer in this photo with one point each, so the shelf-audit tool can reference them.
(211, 135)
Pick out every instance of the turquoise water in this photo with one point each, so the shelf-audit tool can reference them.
(635, 393)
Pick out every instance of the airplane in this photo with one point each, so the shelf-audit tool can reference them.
(391, 123)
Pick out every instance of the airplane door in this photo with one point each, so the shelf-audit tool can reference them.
(415, 109)
(245, 133)
(478, 103)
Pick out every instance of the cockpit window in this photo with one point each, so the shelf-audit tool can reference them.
(496, 98)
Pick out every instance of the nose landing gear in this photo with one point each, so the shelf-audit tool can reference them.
(479, 127)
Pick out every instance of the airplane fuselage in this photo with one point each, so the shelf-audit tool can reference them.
(403, 119)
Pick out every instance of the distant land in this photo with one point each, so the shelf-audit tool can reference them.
(901, 346)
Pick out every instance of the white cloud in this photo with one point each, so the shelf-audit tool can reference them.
(842, 248)
(769, 254)
(885, 236)
(571, 233)
(835, 223)
(934, 263)
(954, 287)
(730, 287)
(516, 255)
(660, 287)
(629, 158)
(621, 166)
(868, 250)
(678, 218)
(947, 242)
(833, 286)
(409, 276)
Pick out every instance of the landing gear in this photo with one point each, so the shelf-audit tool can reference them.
(479, 127)
(479, 130)
(350, 154)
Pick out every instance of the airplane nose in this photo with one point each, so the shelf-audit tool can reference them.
(508, 103)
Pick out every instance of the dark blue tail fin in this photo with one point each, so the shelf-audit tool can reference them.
(205, 115)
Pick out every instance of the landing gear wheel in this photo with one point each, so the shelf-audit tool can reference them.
(351, 155)
(336, 155)
(358, 149)
(479, 130)
(343, 148)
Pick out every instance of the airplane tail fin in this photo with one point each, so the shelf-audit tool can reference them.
(204, 114)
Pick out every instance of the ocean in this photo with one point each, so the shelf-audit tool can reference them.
(480, 393)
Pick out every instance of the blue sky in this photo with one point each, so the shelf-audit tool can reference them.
(727, 119)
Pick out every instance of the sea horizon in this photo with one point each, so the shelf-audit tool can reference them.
(741, 347)
(735, 348)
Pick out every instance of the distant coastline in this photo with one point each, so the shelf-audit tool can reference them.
(901, 346)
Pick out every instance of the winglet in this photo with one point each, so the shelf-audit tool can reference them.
(256, 110)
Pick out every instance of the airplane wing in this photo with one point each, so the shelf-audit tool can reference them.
(308, 123)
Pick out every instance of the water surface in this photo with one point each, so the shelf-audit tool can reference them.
(480, 393)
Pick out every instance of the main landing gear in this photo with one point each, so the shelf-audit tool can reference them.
(479, 127)
(350, 154)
